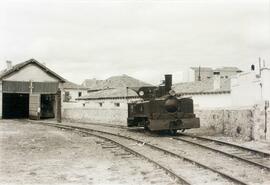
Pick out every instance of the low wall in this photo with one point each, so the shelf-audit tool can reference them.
(246, 123)
(249, 123)
(97, 115)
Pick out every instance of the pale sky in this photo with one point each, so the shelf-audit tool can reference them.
(145, 39)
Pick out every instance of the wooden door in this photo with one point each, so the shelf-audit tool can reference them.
(34, 106)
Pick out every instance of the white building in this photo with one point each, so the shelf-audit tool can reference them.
(30, 90)
(205, 73)
(105, 106)
(73, 91)
(250, 88)
(209, 93)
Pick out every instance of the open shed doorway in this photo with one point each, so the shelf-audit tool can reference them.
(47, 106)
(15, 105)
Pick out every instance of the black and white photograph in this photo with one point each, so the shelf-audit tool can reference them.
(134, 92)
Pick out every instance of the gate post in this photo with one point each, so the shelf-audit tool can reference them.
(59, 106)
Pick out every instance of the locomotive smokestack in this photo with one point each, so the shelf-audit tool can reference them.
(168, 83)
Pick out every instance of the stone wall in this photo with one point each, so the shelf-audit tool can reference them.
(249, 123)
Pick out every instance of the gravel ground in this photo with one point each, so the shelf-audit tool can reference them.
(36, 154)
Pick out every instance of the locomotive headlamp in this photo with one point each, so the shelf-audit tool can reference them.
(172, 93)
(141, 93)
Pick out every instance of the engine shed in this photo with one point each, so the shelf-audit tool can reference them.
(30, 90)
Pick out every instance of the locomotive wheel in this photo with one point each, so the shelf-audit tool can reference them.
(146, 127)
(173, 132)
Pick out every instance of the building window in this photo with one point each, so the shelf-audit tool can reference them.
(67, 96)
(100, 104)
(79, 94)
(226, 76)
(117, 104)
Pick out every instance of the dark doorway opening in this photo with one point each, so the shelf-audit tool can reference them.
(15, 105)
(47, 106)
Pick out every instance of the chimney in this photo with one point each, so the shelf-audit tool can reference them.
(216, 81)
(9, 65)
(252, 67)
(168, 83)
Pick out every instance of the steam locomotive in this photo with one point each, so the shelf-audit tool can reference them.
(161, 110)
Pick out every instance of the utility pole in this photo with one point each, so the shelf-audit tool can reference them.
(260, 66)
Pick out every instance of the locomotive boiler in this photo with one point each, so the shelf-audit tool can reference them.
(160, 109)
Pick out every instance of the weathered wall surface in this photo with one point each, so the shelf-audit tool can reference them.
(238, 123)
(211, 119)
(262, 120)
(246, 123)
(96, 115)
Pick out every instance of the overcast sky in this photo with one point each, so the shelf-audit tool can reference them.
(82, 39)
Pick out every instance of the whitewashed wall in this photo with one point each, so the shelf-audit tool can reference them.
(91, 111)
(212, 100)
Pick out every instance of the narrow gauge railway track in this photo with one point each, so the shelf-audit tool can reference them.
(254, 157)
(175, 176)
(181, 165)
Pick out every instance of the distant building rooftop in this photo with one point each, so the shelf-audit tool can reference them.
(202, 87)
(117, 93)
(71, 85)
(114, 82)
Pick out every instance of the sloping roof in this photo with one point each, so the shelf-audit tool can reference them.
(202, 68)
(19, 66)
(205, 86)
(71, 85)
(110, 93)
(232, 69)
(114, 82)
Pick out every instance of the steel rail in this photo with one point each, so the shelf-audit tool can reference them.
(224, 175)
(258, 152)
(225, 153)
(180, 179)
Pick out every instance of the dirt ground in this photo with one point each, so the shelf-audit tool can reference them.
(36, 154)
